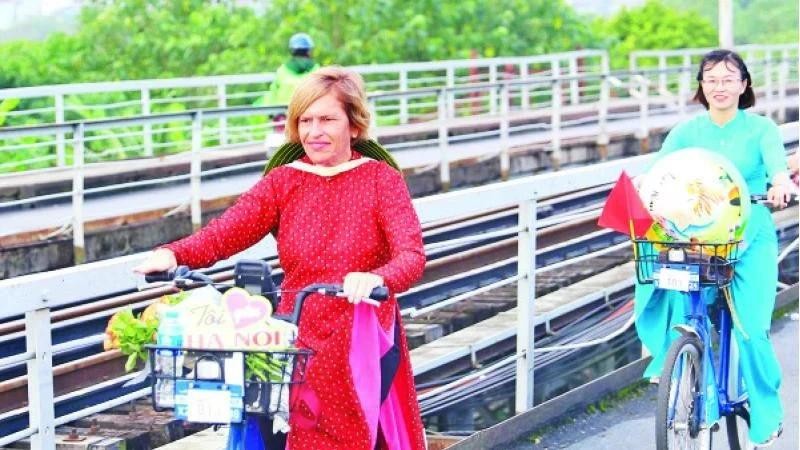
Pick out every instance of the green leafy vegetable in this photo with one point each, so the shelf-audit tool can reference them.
(133, 334)
(264, 367)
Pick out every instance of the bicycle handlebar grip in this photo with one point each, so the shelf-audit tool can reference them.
(762, 199)
(156, 277)
(380, 294)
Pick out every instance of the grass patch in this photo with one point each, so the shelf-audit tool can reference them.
(611, 400)
(634, 390)
(538, 435)
(786, 310)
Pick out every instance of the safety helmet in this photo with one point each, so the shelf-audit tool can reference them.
(300, 41)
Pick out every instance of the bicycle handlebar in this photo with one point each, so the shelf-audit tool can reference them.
(182, 276)
(761, 199)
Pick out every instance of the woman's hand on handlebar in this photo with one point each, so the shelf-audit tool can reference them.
(359, 285)
(161, 260)
(779, 195)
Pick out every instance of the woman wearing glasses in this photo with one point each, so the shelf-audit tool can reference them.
(754, 144)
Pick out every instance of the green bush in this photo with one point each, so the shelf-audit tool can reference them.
(652, 26)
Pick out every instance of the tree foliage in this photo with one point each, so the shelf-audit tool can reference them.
(652, 26)
(754, 21)
(138, 39)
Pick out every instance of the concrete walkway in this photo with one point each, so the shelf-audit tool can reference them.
(629, 424)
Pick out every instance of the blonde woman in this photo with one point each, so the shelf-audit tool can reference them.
(341, 213)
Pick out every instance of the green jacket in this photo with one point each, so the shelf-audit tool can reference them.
(287, 78)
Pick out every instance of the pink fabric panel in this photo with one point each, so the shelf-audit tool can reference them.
(368, 343)
(393, 426)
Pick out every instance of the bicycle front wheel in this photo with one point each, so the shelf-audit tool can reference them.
(678, 422)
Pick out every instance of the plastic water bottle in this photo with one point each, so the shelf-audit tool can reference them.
(169, 362)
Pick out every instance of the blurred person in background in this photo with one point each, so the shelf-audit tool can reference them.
(287, 78)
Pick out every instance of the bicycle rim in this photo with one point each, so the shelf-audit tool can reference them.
(676, 423)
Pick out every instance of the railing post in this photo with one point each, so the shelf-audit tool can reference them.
(41, 407)
(684, 89)
(632, 64)
(768, 87)
(526, 291)
(750, 57)
(493, 91)
(450, 81)
(505, 162)
(61, 158)
(783, 76)
(602, 115)
(78, 242)
(195, 170)
(222, 103)
(604, 62)
(525, 93)
(403, 100)
(574, 86)
(555, 118)
(444, 162)
(147, 129)
(373, 116)
(643, 132)
(662, 76)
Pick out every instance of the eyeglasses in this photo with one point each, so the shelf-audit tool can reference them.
(726, 83)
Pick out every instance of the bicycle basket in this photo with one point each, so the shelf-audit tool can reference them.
(703, 264)
(211, 386)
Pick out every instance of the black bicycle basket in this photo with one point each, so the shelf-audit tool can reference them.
(711, 264)
(265, 391)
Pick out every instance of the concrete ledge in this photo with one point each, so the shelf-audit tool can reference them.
(788, 296)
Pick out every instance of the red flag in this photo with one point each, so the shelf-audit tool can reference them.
(624, 211)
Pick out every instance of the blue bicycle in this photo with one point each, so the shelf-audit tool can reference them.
(699, 383)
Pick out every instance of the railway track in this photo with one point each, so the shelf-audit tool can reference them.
(86, 375)
(79, 361)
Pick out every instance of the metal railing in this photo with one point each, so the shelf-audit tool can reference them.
(64, 103)
(638, 83)
(770, 66)
(69, 102)
(35, 296)
(534, 92)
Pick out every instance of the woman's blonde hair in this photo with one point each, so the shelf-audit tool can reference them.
(349, 89)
